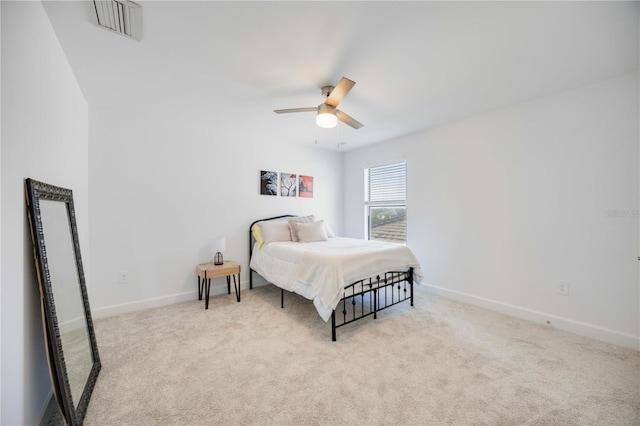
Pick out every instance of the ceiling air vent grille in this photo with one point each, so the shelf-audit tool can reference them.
(121, 16)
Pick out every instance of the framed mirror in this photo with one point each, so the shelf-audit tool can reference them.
(72, 352)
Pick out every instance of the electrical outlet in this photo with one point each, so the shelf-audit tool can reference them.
(562, 287)
(123, 277)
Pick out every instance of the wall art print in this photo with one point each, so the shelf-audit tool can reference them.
(268, 183)
(288, 184)
(306, 186)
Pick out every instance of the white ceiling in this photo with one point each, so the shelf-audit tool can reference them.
(416, 64)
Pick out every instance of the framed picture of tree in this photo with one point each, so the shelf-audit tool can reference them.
(288, 184)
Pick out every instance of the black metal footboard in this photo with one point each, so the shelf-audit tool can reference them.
(370, 296)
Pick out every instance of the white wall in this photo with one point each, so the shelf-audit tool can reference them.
(163, 185)
(44, 136)
(504, 204)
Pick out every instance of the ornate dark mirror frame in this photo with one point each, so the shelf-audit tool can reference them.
(73, 414)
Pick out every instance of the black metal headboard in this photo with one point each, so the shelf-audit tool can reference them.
(251, 242)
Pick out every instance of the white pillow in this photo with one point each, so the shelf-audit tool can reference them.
(310, 232)
(330, 232)
(297, 219)
(275, 230)
(327, 228)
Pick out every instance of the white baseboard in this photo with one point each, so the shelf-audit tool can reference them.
(156, 302)
(580, 328)
(72, 324)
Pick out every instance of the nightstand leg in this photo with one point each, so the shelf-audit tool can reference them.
(237, 287)
(229, 283)
(199, 289)
(207, 283)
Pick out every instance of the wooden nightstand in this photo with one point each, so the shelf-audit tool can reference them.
(206, 271)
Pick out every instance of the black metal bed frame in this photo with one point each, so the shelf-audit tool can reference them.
(362, 298)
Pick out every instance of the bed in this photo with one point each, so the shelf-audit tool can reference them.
(347, 279)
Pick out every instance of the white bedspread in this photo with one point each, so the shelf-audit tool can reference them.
(319, 271)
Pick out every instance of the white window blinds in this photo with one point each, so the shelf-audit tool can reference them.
(387, 183)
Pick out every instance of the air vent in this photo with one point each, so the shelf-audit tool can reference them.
(122, 16)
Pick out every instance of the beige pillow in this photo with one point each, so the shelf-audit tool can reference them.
(311, 232)
(298, 219)
(275, 230)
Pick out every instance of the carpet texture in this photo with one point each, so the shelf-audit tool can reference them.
(440, 362)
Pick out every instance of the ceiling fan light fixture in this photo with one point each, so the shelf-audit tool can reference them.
(326, 116)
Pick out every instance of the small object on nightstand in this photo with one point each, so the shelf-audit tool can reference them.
(218, 246)
(207, 271)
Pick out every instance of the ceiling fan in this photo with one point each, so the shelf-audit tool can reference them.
(328, 114)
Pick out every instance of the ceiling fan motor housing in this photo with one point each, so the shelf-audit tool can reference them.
(326, 90)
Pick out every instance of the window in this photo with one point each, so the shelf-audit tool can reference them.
(386, 202)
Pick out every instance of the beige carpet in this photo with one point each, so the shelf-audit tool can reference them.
(440, 362)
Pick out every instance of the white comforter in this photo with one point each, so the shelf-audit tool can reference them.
(320, 270)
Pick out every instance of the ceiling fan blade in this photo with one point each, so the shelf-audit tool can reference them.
(339, 92)
(306, 109)
(347, 119)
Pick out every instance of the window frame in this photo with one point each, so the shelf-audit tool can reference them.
(397, 202)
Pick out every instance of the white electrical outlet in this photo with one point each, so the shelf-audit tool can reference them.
(123, 277)
(562, 287)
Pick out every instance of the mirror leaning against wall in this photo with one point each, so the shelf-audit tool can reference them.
(70, 340)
